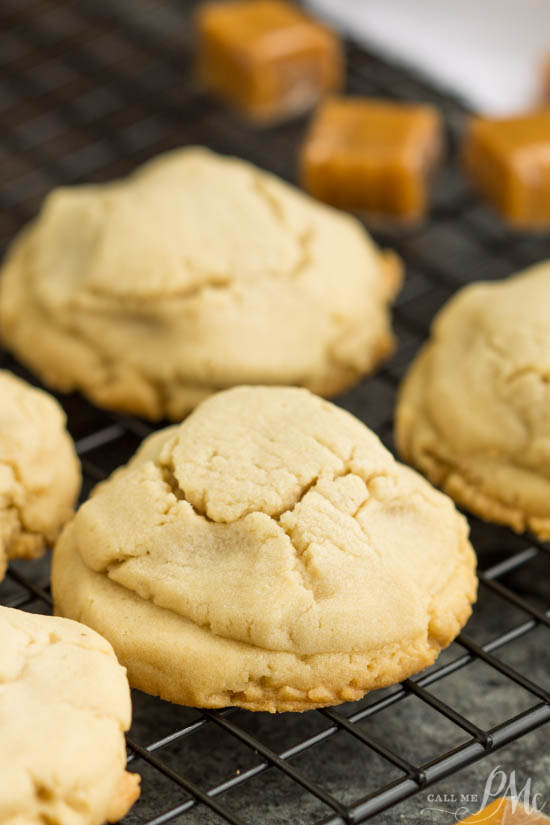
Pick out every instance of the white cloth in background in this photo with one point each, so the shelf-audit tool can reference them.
(488, 52)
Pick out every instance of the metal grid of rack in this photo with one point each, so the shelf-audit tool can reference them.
(88, 92)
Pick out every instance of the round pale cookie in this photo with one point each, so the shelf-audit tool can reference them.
(39, 470)
(195, 273)
(474, 410)
(64, 707)
(268, 553)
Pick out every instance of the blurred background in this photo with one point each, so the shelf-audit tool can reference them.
(489, 52)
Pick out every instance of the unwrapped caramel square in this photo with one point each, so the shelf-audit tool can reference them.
(508, 161)
(372, 155)
(266, 57)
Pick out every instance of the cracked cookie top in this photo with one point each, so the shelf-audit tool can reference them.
(273, 518)
(195, 273)
(473, 411)
(60, 684)
(39, 470)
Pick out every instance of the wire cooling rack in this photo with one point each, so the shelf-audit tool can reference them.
(89, 91)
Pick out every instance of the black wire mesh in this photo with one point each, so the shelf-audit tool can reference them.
(90, 90)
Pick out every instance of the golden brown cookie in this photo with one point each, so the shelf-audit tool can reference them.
(195, 273)
(64, 707)
(473, 412)
(39, 470)
(268, 553)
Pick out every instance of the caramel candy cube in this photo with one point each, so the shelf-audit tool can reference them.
(266, 57)
(508, 161)
(372, 155)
